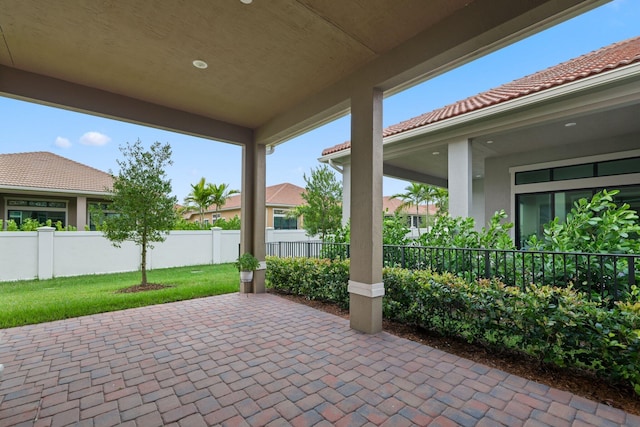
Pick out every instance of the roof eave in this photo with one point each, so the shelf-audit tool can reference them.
(55, 190)
(521, 103)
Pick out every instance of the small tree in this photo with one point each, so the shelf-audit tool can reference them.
(141, 199)
(323, 208)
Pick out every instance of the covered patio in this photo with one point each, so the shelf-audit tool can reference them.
(257, 74)
(255, 360)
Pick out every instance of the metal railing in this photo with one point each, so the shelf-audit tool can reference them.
(609, 275)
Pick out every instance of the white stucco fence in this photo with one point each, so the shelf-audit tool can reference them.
(47, 253)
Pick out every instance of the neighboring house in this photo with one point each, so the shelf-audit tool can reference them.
(531, 147)
(391, 205)
(44, 186)
(280, 200)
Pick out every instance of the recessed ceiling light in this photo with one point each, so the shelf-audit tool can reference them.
(435, 153)
(199, 63)
(490, 141)
(570, 124)
(246, 1)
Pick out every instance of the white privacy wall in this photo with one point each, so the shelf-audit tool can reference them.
(88, 252)
(18, 255)
(48, 253)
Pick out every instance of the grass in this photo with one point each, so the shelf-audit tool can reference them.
(35, 301)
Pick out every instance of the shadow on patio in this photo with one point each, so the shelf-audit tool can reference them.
(258, 360)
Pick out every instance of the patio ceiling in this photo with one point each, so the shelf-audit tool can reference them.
(276, 68)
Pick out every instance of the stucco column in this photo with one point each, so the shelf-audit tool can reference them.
(365, 275)
(253, 212)
(346, 193)
(81, 212)
(460, 178)
(216, 245)
(45, 252)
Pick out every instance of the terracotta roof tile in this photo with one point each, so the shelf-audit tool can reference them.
(285, 194)
(391, 204)
(599, 61)
(44, 170)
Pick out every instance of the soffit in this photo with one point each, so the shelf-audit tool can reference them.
(262, 58)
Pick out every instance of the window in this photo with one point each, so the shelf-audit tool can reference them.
(281, 220)
(573, 172)
(39, 210)
(98, 212)
(619, 167)
(584, 170)
(214, 217)
(535, 210)
(414, 221)
(532, 177)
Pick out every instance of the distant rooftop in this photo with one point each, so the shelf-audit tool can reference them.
(284, 194)
(44, 170)
(599, 61)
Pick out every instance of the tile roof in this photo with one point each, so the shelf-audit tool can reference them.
(599, 61)
(44, 170)
(285, 194)
(391, 204)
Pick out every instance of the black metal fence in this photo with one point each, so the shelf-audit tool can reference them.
(609, 275)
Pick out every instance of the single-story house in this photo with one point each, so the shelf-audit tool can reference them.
(280, 200)
(44, 186)
(392, 205)
(531, 147)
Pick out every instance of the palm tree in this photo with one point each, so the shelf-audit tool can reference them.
(220, 194)
(417, 194)
(436, 195)
(201, 196)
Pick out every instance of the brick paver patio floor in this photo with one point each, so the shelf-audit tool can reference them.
(259, 360)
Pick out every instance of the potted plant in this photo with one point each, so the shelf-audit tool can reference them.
(247, 264)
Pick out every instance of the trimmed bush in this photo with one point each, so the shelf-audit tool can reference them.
(317, 279)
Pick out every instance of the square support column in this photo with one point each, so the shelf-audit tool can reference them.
(346, 193)
(460, 178)
(81, 212)
(253, 210)
(365, 274)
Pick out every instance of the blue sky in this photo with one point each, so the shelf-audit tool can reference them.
(94, 141)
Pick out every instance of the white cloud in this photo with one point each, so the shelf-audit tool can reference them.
(94, 138)
(62, 142)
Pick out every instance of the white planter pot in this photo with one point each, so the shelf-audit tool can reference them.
(246, 276)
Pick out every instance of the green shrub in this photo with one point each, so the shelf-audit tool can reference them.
(594, 226)
(228, 224)
(317, 279)
(29, 224)
(183, 224)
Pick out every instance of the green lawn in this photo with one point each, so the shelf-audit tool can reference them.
(36, 301)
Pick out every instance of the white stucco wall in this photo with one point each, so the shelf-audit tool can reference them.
(29, 255)
(18, 255)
